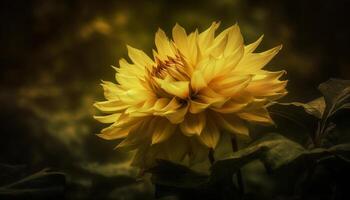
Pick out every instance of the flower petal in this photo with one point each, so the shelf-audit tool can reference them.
(163, 130)
(197, 107)
(111, 90)
(113, 133)
(193, 124)
(251, 47)
(108, 118)
(234, 40)
(180, 39)
(176, 88)
(111, 106)
(140, 58)
(206, 38)
(232, 123)
(231, 106)
(230, 85)
(255, 61)
(259, 115)
(177, 116)
(197, 81)
(137, 136)
(210, 134)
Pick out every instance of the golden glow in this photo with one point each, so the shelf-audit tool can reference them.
(176, 105)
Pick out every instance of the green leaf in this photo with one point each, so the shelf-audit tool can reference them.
(340, 150)
(273, 150)
(315, 107)
(337, 95)
(296, 120)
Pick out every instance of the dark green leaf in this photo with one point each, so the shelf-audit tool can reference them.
(315, 107)
(273, 150)
(342, 150)
(295, 120)
(337, 94)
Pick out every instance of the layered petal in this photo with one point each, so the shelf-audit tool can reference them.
(210, 134)
(193, 124)
(253, 62)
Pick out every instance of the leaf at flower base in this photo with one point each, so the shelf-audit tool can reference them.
(273, 150)
(315, 107)
(296, 120)
(337, 95)
(175, 175)
(341, 150)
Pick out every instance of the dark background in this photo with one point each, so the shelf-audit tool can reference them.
(54, 54)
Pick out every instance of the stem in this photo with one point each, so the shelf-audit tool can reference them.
(211, 156)
(239, 173)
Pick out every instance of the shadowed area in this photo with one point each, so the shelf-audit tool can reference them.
(55, 53)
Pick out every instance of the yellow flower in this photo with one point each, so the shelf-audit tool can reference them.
(198, 85)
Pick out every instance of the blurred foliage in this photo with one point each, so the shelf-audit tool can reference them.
(54, 54)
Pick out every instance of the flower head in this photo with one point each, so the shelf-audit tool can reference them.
(197, 85)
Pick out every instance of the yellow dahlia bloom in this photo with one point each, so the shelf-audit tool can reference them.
(197, 85)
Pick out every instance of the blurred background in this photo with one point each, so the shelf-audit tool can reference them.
(55, 53)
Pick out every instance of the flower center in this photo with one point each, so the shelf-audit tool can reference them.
(173, 67)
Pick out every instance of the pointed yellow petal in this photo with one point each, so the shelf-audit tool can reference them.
(192, 47)
(140, 58)
(177, 116)
(234, 40)
(160, 104)
(230, 85)
(217, 47)
(193, 124)
(163, 130)
(180, 39)
(163, 45)
(232, 123)
(230, 107)
(135, 96)
(231, 60)
(111, 106)
(209, 96)
(259, 115)
(128, 81)
(206, 38)
(176, 88)
(108, 118)
(267, 84)
(209, 68)
(111, 90)
(197, 81)
(254, 61)
(210, 134)
(251, 47)
(138, 135)
(197, 107)
(130, 69)
(113, 133)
